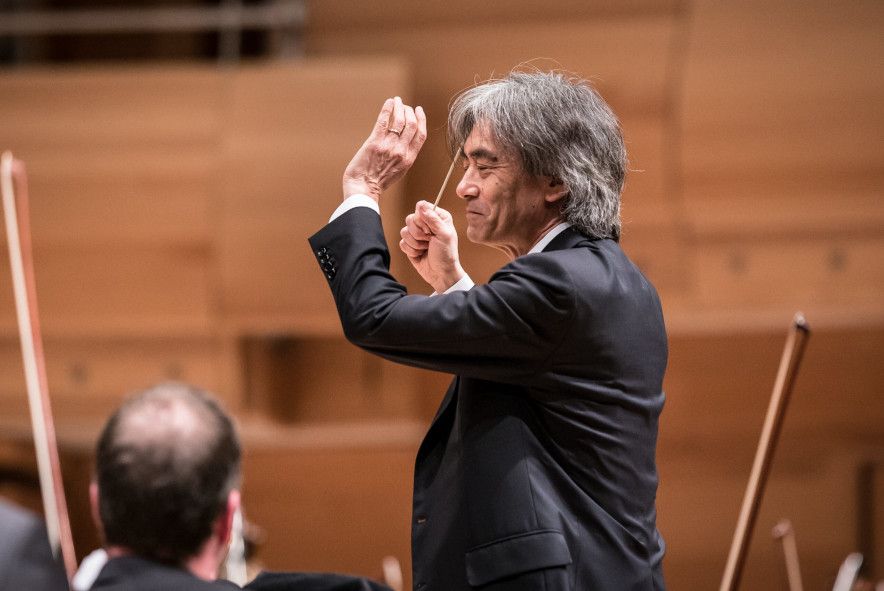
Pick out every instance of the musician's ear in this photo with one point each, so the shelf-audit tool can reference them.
(224, 525)
(93, 506)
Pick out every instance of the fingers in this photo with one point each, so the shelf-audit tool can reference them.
(415, 242)
(420, 133)
(410, 125)
(383, 121)
(390, 150)
(419, 222)
(417, 230)
(437, 222)
(410, 251)
(397, 118)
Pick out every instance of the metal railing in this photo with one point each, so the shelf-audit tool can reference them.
(284, 18)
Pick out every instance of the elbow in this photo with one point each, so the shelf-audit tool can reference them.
(353, 332)
(365, 326)
(358, 329)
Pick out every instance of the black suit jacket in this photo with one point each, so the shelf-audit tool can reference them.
(538, 471)
(131, 573)
(26, 560)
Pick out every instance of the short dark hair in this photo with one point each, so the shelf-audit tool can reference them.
(165, 464)
(560, 127)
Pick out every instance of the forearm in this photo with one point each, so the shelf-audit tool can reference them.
(503, 330)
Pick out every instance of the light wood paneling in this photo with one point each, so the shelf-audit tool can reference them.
(805, 273)
(288, 136)
(718, 389)
(624, 54)
(88, 377)
(326, 380)
(332, 509)
(171, 207)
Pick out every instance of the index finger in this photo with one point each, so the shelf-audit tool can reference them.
(383, 121)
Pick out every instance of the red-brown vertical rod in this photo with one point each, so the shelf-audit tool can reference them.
(792, 354)
(18, 236)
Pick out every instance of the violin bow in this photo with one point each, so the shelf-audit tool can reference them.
(773, 421)
(13, 182)
(784, 532)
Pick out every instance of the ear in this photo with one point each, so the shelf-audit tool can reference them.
(554, 190)
(93, 506)
(224, 523)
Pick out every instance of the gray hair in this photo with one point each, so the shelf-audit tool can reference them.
(559, 127)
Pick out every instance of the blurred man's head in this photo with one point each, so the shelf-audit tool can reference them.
(167, 474)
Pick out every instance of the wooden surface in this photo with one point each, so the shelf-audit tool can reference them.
(172, 204)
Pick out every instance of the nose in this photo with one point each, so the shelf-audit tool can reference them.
(467, 188)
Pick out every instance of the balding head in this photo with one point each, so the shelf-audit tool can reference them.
(165, 465)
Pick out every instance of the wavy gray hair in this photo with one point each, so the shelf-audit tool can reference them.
(560, 127)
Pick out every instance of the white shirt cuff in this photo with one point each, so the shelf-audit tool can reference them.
(357, 200)
(89, 570)
(463, 284)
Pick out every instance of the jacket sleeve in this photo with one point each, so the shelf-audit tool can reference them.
(506, 330)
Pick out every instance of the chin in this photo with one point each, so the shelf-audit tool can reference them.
(474, 236)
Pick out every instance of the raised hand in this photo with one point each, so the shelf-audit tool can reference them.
(390, 150)
(430, 242)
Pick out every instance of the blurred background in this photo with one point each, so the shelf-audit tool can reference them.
(179, 155)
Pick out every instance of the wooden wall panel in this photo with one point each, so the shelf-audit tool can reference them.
(120, 168)
(755, 189)
(88, 376)
(332, 509)
(700, 502)
(718, 390)
(781, 165)
(289, 134)
(119, 291)
(324, 380)
(623, 52)
(103, 109)
(807, 273)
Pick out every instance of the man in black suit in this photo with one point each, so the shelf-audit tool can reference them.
(26, 560)
(164, 497)
(538, 471)
(165, 491)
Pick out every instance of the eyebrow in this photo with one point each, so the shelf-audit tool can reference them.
(484, 154)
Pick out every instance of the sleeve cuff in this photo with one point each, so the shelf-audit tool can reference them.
(352, 201)
(463, 284)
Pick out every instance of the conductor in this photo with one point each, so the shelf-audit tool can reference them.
(538, 471)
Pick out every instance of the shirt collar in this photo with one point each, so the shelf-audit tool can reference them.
(548, 237)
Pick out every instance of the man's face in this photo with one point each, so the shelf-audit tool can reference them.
(505, 207)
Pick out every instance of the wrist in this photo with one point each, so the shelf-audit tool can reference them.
(448, 279)
(354, 187)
